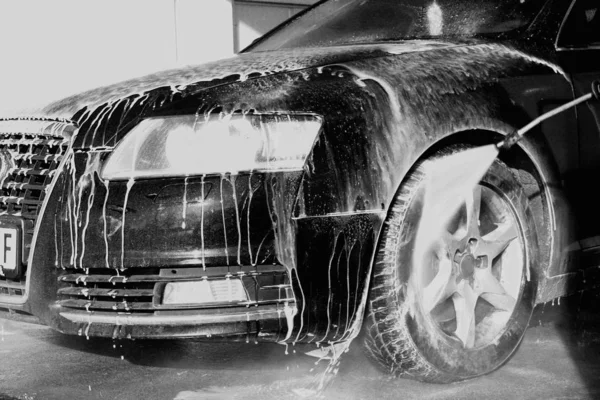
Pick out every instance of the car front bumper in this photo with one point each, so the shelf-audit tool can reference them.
(96, 257)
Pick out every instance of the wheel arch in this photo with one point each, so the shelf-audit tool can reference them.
(536, 169)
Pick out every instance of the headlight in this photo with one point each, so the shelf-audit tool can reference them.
(195, 145)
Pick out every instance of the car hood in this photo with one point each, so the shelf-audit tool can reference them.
(240, 67)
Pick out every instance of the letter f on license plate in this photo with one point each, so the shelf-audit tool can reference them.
(9, 249)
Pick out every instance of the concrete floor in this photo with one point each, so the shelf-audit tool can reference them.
(558, 359)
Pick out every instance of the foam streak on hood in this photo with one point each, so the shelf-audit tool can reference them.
(240, 67)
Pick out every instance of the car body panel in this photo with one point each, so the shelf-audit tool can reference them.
(384, 107)
(238, 68)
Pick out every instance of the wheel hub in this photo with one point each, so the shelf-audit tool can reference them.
(466, 261)
(467, 266)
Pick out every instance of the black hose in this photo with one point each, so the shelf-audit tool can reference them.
(515, 136)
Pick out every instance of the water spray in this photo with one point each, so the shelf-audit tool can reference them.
(449, 179)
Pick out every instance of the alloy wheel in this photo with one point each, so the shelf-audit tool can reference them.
(472, 276)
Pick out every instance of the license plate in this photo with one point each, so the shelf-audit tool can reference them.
(9, 250)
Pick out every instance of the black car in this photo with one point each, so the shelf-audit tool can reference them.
(276, 195)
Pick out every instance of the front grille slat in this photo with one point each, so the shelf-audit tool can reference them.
(30, 152)
(18, 200)
(17, 172)
(24, 186)
(48, 158)
(115, 279)
(95, 292)
(106, 305)
(111, 279)
(29, 141)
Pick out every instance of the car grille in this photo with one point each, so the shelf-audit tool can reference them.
(30, 152)
(138, 290)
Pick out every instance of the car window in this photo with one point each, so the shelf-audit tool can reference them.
(582, 26)
(341, 22)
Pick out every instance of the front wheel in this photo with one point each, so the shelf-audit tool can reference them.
(461, 310)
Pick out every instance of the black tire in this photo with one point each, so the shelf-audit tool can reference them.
(409, 333)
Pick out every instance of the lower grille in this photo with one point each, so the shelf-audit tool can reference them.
(139, 290)
(30, 152)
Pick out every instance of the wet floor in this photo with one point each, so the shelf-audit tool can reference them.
(558, 359)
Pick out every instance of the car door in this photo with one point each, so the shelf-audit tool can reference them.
(578, 50)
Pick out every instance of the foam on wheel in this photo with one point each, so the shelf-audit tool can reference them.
(463, 309)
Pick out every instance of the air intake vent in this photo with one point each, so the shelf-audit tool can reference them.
(140, 290)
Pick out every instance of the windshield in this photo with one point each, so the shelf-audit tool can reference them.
(339, 22)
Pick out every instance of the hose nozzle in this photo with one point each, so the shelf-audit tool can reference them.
(509, 140)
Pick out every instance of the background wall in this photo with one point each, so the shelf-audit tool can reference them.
(51, 49)
(254, 18)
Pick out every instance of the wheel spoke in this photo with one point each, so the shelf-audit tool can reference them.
(503, 302)
(442, 246)
(495, 242)
(447, 239)
(473, 203)
(465, 301)
(492, 291)
(485, 282)
(441, 287)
